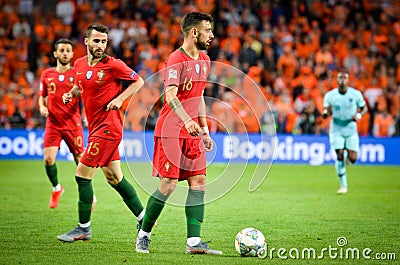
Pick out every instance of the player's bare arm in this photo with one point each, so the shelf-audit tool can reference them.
(73, 93)
(361, 113)
(44, 111)
(132, 89)
(208, 143)
(170, 96)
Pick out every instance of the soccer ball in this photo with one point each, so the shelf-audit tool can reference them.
(250, 242)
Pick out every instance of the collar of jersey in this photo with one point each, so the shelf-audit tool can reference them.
(102, 57)
(183, 50)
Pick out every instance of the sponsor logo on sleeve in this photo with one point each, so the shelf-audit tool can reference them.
(172, 74)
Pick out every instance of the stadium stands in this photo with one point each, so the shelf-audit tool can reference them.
(290, 49)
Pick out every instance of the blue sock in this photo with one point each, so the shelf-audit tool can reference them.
(340, 167)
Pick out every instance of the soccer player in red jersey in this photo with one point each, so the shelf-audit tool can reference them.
(98, 82)
(63, 121)
(179, 150)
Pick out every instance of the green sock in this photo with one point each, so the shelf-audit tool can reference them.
(51, 172)
(194, 210)
(85, 190)
(129, 195)
(155, 204)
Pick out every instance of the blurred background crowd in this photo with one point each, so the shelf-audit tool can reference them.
(289, 50)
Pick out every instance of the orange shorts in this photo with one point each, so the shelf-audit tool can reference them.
(178, 158)
(73, 139)
(100, 152)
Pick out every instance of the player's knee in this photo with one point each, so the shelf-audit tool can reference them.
(169, 190)
(352, 156)
(198, 181)
(77, 158)
(340, 156)
(112, 181)
(353, 159)
(111, 178)
(167, 187)
(49, 161)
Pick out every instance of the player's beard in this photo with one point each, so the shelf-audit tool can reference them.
(201, 45)
(96, 53)
(342, 88)
(64, 62)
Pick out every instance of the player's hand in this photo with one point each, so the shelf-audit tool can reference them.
(193, 128)
(44, 111)
(208, 142)
(67, 97)
(325, 113)
(357, 117)
(114, 104)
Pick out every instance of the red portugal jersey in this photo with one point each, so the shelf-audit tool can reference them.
(99, 85)
(190, 76)
(53, 85)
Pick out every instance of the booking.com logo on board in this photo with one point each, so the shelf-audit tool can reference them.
(25, 144)
(293, 149)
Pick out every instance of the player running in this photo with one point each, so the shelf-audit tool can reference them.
(347, 106)
(63, 121)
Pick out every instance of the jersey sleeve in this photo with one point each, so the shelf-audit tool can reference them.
(123, 72)
(42, 86)
(75, 67)
(172, 71)
(360, 100)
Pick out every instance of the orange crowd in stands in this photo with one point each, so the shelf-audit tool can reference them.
(273, 60)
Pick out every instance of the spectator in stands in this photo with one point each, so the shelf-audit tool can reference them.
(268, 119)
(383, 125)
(287, 65)
(393, 97)
(65, 9)
(17, 121)
(309, 120)
(4, 117)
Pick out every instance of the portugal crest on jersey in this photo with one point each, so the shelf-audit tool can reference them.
(100, 75)
(167, 166)
(204, 68)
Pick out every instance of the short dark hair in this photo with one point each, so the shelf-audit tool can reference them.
(343, 70)
(62, 41)
(96, 26)
(193, 19)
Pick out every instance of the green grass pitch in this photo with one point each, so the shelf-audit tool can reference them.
(296, 208)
